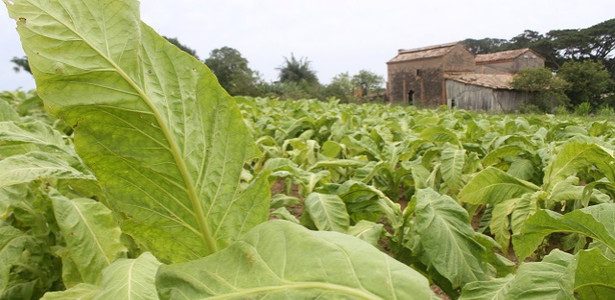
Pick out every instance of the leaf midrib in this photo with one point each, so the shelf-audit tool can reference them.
(205, 234)
(91, 232)
(557, 173)
(327, 212)
(447, 226)
(456, 169)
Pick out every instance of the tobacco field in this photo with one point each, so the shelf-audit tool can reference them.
(131, 174)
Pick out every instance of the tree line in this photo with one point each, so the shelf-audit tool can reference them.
(579, 66)
(296, 79)
(580, 70)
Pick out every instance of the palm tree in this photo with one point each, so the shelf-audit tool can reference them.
(297, 70)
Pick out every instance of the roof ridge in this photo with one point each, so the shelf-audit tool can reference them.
(439, 46)
(501, 55)
(505, 51)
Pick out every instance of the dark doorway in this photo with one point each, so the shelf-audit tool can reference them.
(411, 97)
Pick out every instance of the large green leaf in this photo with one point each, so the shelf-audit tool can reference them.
(328, 212)
(362, 198)
(439, 134)
(451, 167)
(124, 279)
(492, 186)
(500, 222)
(552, 278)
(595, 276)
(164, 139)
(91, 235)
(423, 177)
(573, 157)
(500, 153)
(130, 279)
(545, 222)
(369, 171)
(281, 260)
(447, 239)
(525, 206)
(494, 289)
(522, 168)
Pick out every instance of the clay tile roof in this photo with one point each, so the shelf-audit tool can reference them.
(501, 56)
(494, 81)
(425, 52)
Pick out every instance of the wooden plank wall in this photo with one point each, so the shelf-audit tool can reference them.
(477, 98)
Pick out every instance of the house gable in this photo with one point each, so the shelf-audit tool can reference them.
(405, 55)
(511, 61)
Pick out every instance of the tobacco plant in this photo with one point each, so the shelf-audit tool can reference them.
(158, 208)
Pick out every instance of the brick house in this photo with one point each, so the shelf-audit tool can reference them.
(449, 74)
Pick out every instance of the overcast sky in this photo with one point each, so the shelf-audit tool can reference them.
(334, 35)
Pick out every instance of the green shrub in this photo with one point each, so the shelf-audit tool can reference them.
(561, 110)
(530, 108)
(605, 111)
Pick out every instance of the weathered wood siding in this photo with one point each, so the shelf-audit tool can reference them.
(477, 98)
